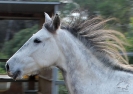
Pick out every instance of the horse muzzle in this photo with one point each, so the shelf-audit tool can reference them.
(14, 75)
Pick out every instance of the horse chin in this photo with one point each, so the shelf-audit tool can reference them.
(16, 75)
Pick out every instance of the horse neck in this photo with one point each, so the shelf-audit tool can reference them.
(80, 65)
(83, 71)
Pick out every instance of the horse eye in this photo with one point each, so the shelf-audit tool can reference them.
(37, 40)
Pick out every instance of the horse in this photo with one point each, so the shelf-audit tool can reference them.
(91, 58)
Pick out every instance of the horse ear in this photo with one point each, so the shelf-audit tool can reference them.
(47, 18)
(52, 25)
(56, 22)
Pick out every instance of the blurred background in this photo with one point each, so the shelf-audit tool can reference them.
(14, 32)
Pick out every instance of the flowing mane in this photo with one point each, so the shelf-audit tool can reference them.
(106, 44)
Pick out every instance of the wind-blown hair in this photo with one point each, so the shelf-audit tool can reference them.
(103, 43)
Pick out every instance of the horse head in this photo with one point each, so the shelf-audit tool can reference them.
(40, 51)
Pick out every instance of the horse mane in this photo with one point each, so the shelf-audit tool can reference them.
(106, 44)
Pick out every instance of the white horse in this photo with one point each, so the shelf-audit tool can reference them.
(87, 55)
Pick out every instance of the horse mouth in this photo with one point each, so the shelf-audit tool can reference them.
(15, 74)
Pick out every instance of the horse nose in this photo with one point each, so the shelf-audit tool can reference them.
(8, 70)
(7, 67)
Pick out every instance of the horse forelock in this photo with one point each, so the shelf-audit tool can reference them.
(106, 44)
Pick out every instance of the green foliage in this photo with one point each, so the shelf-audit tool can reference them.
(62, 90)
(2, 68)
(2, 56)
(115, 8)
(2, 64)
(131, 25)
(129, 37)
(108, 8)
(67, 8)
(47, 0)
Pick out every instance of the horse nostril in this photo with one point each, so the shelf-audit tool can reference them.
(7, 67)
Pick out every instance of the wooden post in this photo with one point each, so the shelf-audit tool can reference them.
(31, 83)
(45, 82)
